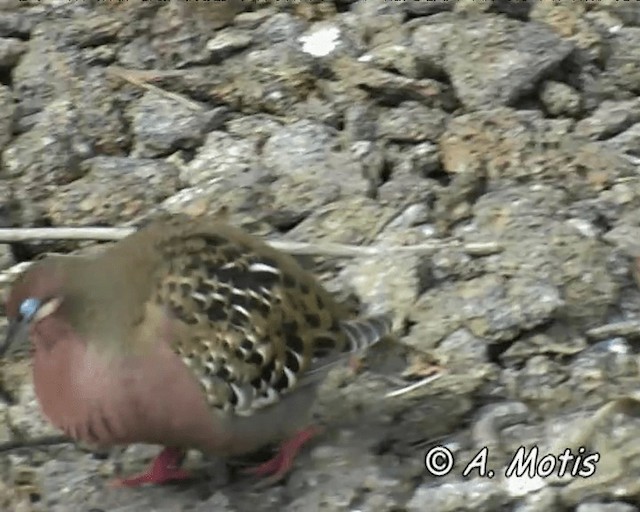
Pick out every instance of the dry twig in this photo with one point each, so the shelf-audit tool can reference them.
(34, 442)
(9, 235)
(138, 78)
(411, 387)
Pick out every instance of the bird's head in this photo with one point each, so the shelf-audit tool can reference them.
(34, 296)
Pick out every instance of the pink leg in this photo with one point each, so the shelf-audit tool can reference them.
(282, 462)
(164, 468)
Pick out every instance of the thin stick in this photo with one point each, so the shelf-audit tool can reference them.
(9, 235)
(128, 76)
(34, 442)
(415, 385)
(329, 249)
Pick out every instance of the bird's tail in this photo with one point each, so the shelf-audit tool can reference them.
(360, 333)
(364, 332)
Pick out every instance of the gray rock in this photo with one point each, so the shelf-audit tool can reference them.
(436, 315)
(610, 118)
(174, 35)
(253, 19)
(395, 57)
(276, 78)
(372, 161)
(404, 170)
(411, 122)
(138, 54)
(6, 257)
(301, 149)
(7, 113)
(25, 418)
(18, 23)
(545, 499)
(607, 361)
(113, 190)
(623, 62)
(450, 264)
(81, 31)
(494, 61)
(477, 494)
(628, 141)
(420, 159)
(429, 44)
(572, 24)
(541, 382)
(370, 9)
(248, 202)
(49, 154)
(218, 502)
(463, 348)
(390, 88)
(560, 99)
(5, 431)
(621, 12)
(370, 30)
(606, 507)
(35, 78)
(10, 51)
(227, 42)
(220, 155)
(416, 214)
(258, 126)
(338, 214)
(279, 28)
(69, 480)
(100, 115)
(320, 110)
(498, 313)
(540, 147)
(493, 418)
(385, 285)
(426, 8)
(360, 122)
(535, 344)
(162, 125)
(577, 268)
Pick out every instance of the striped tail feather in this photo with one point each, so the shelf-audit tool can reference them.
(360, 333)
(366, 331)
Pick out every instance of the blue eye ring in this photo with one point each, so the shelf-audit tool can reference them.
(29, 307)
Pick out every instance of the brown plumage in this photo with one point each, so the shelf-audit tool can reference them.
(189, 333)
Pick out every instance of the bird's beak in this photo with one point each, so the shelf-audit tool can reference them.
(17, 336)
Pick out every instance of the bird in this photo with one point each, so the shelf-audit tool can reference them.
(189, 333)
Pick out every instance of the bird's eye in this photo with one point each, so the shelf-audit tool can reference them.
(28, 308)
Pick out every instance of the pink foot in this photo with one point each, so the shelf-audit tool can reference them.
(281, 463)
(164, 468)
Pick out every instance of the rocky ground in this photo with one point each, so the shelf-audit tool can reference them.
(503, 137)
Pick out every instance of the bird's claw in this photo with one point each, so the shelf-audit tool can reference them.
(164, 468)
(279, 466)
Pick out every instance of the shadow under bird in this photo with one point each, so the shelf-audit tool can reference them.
(190, 334)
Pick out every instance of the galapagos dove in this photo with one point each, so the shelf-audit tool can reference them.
(190, 334)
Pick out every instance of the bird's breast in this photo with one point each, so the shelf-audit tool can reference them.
(110, 399)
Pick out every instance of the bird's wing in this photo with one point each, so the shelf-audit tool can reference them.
(251, 324)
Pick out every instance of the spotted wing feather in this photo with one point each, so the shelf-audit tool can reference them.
(255, 324)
